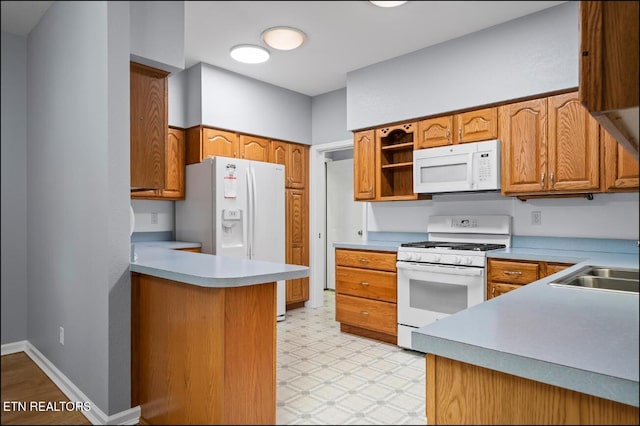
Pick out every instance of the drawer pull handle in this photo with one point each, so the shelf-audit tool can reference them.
(493, 291)
(364, 283)
(364, 313)
(513, 272)
(364, 260)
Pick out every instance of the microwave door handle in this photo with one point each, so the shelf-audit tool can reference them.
(470, 176)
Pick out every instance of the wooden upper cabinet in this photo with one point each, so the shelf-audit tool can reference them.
(609, 72)
(470, 126)
(523, 132)
(148, 126)
(295, 158)
(434, 132)
(573, 146)
(364, 161)
(619, 168)
(394, 162)
(549, 146)
(254, 148)
(205, 142)
(174, 169)
(477, 125)
(219, 143)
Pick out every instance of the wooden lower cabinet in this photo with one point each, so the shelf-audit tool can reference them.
(505, 275)
(297, 244)
(461, 393)
(203, 355)
(366, 293)
(191, 249)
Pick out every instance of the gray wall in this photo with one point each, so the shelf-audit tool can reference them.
(14, 188)
(527, 56)
(157, 34)
(231, 101)
(78, 196)
(329, 117)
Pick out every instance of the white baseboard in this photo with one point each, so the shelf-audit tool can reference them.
(95, 415)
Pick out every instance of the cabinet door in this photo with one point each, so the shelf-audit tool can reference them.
(364, 162)
(218, 143)
(434, 132)
(148, 126)
(174, 170)
(523, 132)
(474, 126)
(278, 153)
(552, 268)
(296, 167)
(573, 145)
(297, 253)
(619, 168)
(254, 148)
(496, 289)
(175, 152)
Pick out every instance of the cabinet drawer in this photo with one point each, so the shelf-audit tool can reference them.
(379, 285)
(513, 272)
(366, 313)
(383, 261)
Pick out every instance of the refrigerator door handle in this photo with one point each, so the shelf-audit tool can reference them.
(249, 215)
(254, 208)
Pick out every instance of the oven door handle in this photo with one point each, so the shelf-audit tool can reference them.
(440, 269)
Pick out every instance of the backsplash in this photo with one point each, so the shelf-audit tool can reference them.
(153, 215)
(610, 216)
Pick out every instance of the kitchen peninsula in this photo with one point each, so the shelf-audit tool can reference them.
(204, 337)
(540, 354)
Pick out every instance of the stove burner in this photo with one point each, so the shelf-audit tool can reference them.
(453, 246)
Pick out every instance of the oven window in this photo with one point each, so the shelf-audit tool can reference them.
(437, 297)
(446, 173)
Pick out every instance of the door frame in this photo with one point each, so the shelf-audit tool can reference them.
(318, 219)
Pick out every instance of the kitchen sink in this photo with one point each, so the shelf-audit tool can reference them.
(598, 278)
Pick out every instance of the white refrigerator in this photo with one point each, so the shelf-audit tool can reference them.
(236, 207)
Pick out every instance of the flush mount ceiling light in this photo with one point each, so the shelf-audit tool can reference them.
(249, 53)
(283, 38)
(387, 3)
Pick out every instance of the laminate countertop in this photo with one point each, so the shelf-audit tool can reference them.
(576, 338)
(163, 259)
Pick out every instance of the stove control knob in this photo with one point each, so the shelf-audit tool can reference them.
(467, 260)
(436, 258)
(457, 260)
(411, 256)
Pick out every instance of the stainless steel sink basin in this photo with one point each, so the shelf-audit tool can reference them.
(597, 278)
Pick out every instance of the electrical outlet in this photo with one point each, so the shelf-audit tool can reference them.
(154, 218)
(536, 217)
(62, 336)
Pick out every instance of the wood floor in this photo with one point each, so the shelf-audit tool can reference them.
(26, 390)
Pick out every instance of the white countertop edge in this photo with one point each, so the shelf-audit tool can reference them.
(600, 385)
(238, 281)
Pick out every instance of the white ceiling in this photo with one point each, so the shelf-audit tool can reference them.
(342, 36)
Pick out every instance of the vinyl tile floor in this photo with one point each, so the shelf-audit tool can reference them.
(328, 377)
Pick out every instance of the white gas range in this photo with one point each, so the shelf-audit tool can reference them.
(446, 274)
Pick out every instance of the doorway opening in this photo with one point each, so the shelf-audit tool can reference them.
(334, 216)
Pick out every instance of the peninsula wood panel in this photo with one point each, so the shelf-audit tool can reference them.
(203, 355)
(453, 389)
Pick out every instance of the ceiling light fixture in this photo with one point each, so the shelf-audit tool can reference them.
(249, 54)
(283, 38)
(387, 3)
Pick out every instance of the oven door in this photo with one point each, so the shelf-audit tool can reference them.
(429, 292)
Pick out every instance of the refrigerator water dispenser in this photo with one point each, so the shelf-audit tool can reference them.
(232, 235)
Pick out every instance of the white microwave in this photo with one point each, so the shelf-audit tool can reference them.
(457, 168)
